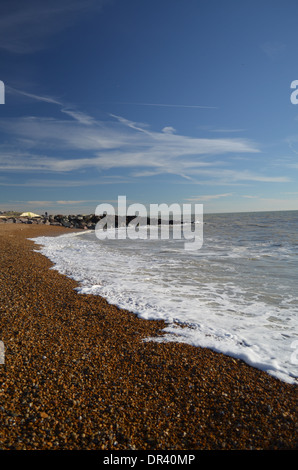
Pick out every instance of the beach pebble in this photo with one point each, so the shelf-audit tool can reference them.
(80, 376)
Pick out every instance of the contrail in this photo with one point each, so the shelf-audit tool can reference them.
(170, 105)
(33, 96)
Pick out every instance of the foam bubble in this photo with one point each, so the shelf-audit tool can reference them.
(227, 300)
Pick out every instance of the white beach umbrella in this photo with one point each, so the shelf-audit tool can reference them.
(29, 214)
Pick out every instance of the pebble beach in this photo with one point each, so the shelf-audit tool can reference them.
(79, 373)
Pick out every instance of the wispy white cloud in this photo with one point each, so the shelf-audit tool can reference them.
(117, 143)
(208, 197)
(291, 142)
(75, 114)
(79, 116)
(273, 49)
(227, 176)
(227, 130)
(79, 142)
(169, 130)
(278, 203)
(45, 203)
(62, 183)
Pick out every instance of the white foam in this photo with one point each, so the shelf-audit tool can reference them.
(156, 283)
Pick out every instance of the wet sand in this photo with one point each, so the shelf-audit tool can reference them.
(78, 374)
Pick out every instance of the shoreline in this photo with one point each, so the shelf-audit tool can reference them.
(78, 375)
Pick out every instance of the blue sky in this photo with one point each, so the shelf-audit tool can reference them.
(163, 101)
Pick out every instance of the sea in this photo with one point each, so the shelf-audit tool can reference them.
(236, 295)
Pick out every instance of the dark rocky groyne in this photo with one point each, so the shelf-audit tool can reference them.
(84, 222)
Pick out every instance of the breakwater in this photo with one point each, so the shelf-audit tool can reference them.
(84, 222)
